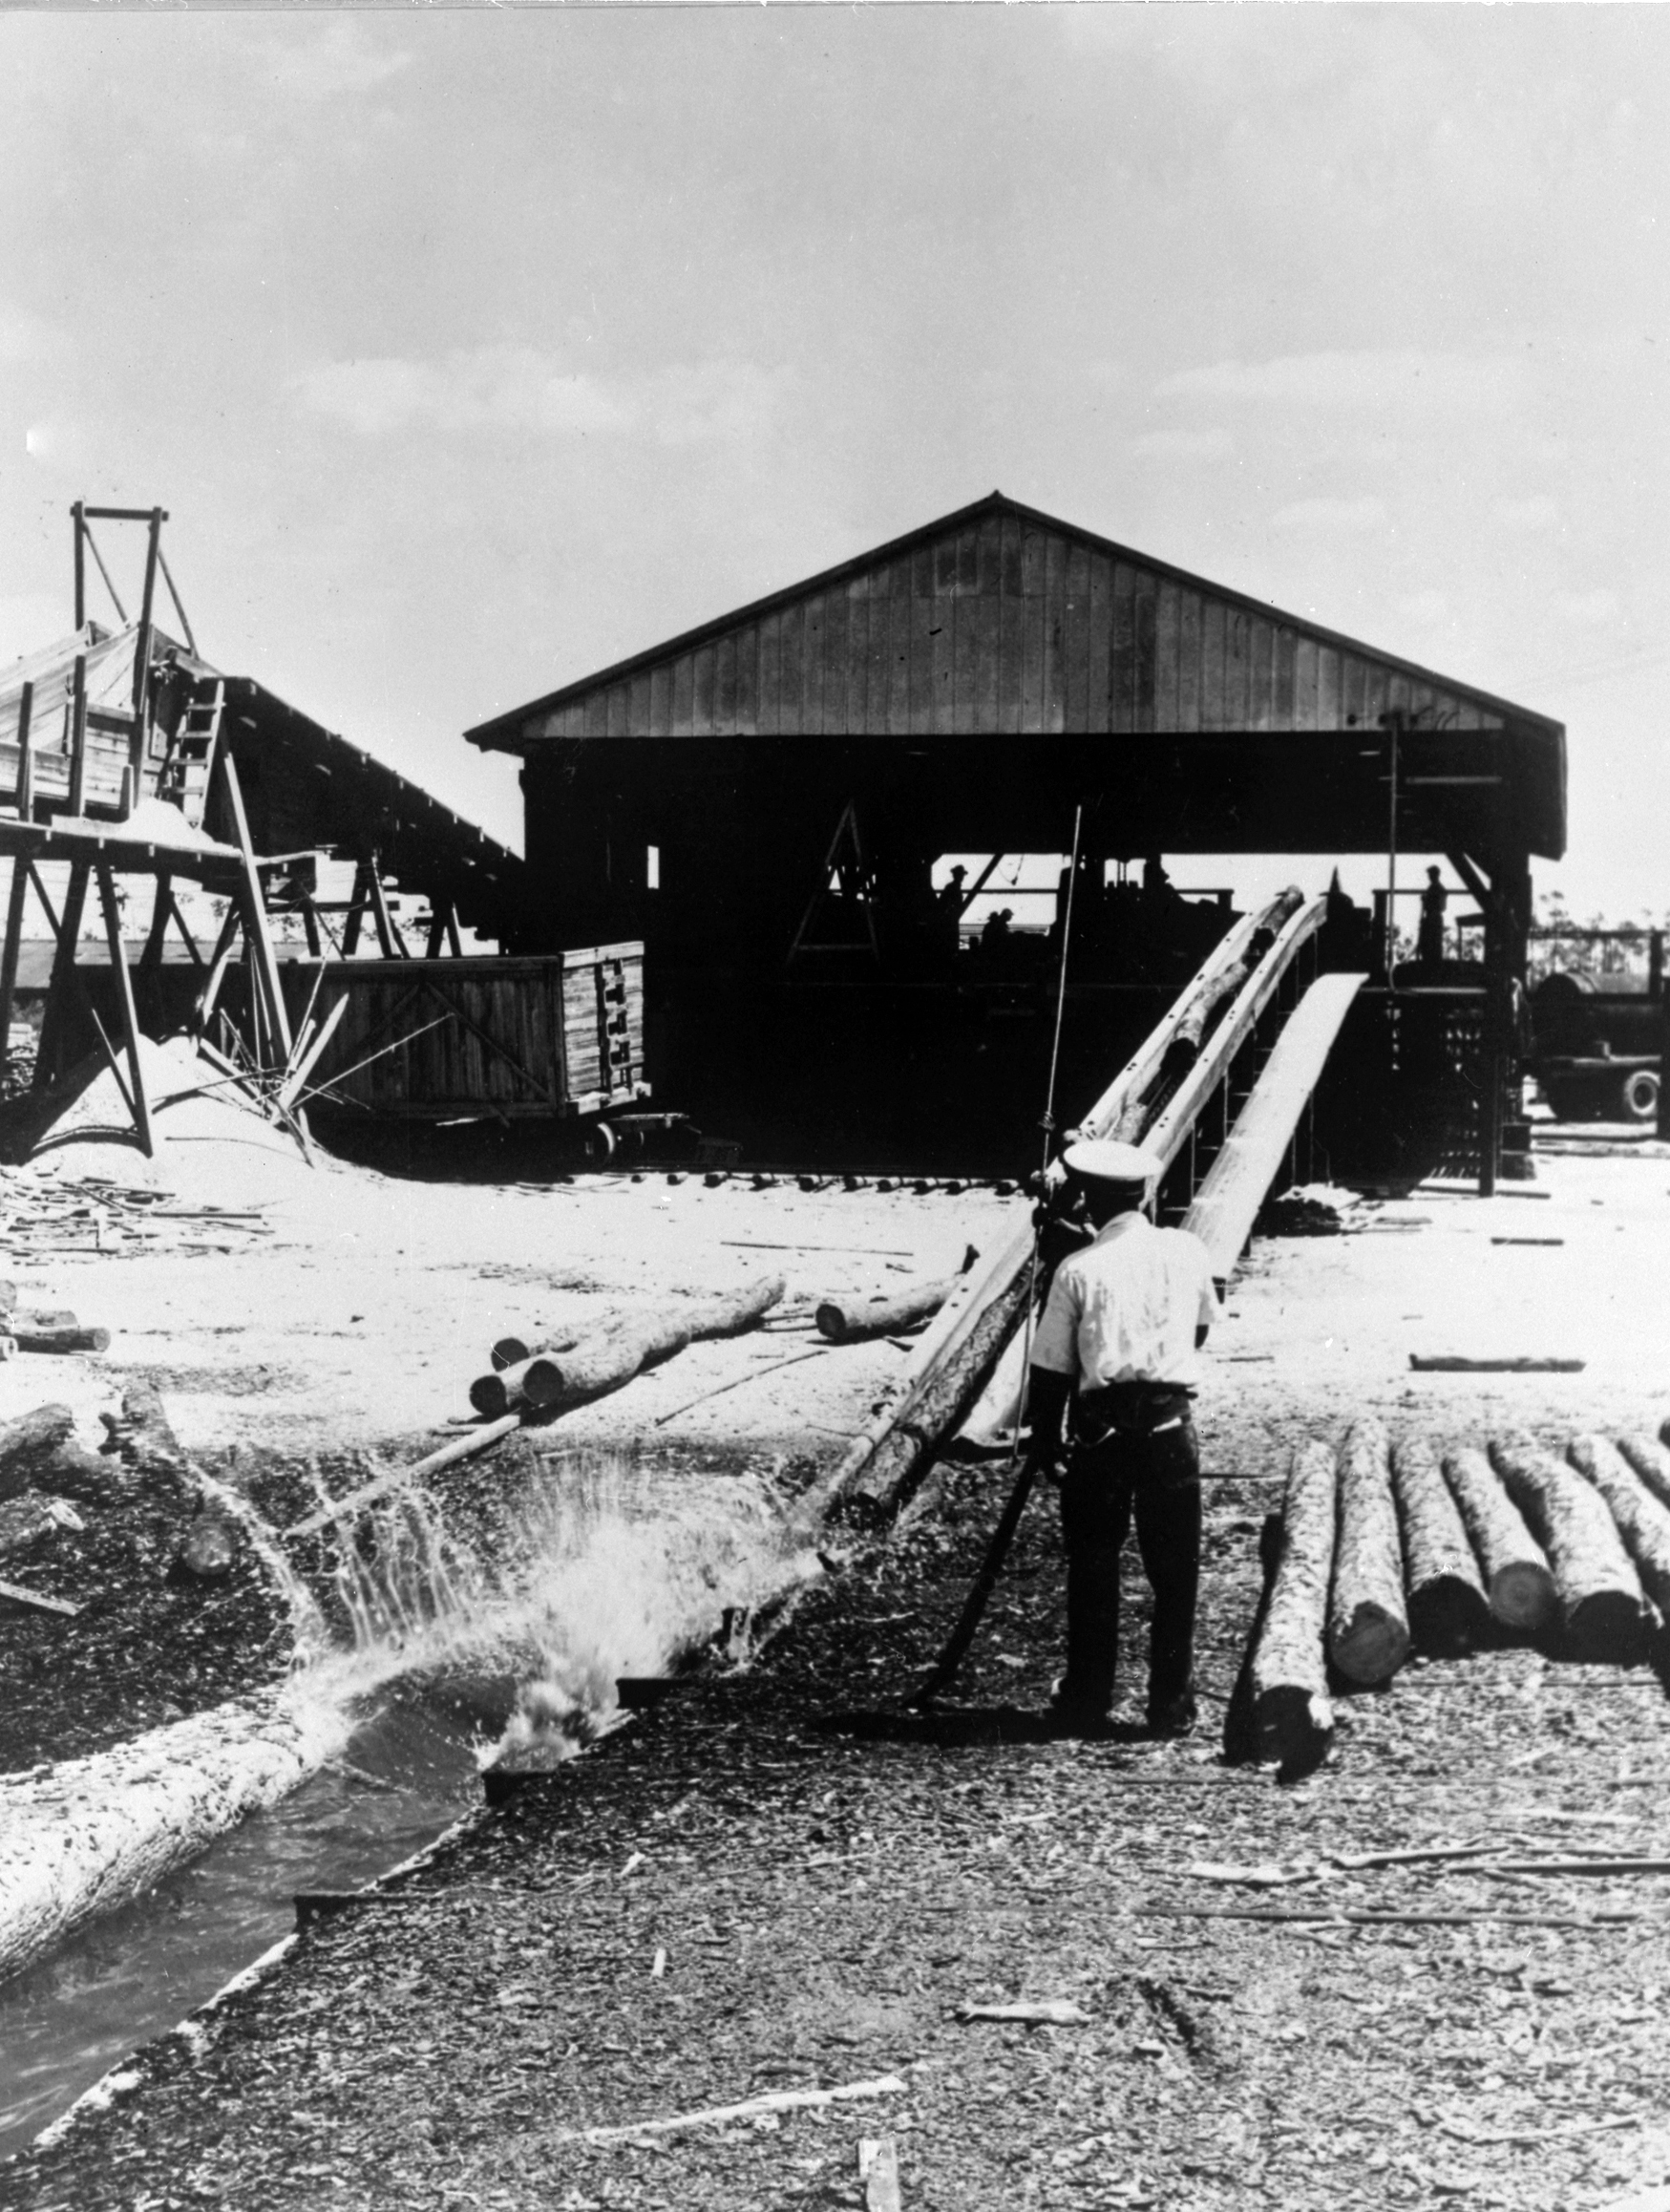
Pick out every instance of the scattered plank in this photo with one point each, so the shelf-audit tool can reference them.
(15, 1594)
(752, 2107)
(1446, 1364)
(1527, 1240)
(1368, 1634)
(736, 1382)
(1039, 2012)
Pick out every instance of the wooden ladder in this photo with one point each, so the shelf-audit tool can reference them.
(190, 759)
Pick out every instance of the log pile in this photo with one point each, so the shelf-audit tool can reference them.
(1385, 1542)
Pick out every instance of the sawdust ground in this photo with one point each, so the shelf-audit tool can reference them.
(829, 1879)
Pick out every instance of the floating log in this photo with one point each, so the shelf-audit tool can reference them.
(1292, 1717)
(1642, 1519)
(1598, 1589)
(1448, 1609)
(1650, 1461)
(1368, 1632)
(1517, 1576)
(58, 1340)
(847, 1322)
(609, 1359)
(27, 1441)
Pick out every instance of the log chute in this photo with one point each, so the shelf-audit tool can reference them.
(961, 1344)
(1368, 1632)
(1448, 1609)
(1598, 1589)
(608, 1358)
(1515, 1569)
(1642, 1519)
(1292, 1717)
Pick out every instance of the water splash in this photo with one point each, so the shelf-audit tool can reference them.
(598, 1568)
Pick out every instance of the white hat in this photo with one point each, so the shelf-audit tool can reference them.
(1104, 1161)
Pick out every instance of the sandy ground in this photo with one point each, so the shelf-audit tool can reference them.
(827, 1892)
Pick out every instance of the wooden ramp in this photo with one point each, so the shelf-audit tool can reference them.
(1227, 1203)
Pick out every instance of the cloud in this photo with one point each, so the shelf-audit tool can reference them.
(1538, 512)
(1590, 610)
(1331, 516)
(1456, 383)
(320, 64)
(25, 336)
(517, 388)
(1183, 445)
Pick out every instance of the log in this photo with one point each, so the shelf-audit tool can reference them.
(59, 1340)
(1598, 1589)
(29, 1440)
(23, 1519)
(1447, 1363)
(1650, 1461)
(1516, 1567)
(94, 1477)
(48, 1317)
(848, 1322)
(1368, 1632)
(1448, 1609)
(1642, 1519)
(1292, 1717)
(36, 1601)
(608, 1359)
(142, 1433)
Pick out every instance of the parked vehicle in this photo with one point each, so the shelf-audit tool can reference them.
(1595, 1044)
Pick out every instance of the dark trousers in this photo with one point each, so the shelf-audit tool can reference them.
(1156, 1481)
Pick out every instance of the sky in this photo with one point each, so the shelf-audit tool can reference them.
(470, 351)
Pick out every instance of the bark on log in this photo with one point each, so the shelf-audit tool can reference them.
(1292, 1717)
(23, 1519)
(101, 1831)
(1650, 1461)
(27, 1441)
(1368, 1632)
(1515, 1568)
(848, 1322)
(1642, 1519)
(59, 1340)
(1598, 1589)
(608, 1359)
(1448, 1609)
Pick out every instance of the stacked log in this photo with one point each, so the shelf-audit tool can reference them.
(1650, 1461)
(1643, 1520)
(1517, 1576)
(606, 1360)
(1448, 1609)
(1599, 1592)
(1368, 1632)
(1292, 1717)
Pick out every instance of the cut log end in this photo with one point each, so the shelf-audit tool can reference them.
(1292, 1725)
(1523, 1597)
(1607, 1625)
(1370, 1646)
(489, 1396)
(1447, 1616)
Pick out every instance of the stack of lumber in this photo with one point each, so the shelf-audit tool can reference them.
(1386, 1546)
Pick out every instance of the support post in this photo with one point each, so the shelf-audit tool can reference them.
(142, 644)
(78, 526)
(78, 739)
(124, 998)
(389, 935)
(25, 788)
(64, 980)
(357, 899)
(1394, 723)
(219, 962)
(1664, 1066)
(152, 956)
(263, 960)
(16, 901)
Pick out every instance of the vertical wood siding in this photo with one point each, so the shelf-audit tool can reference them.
(1003, 627)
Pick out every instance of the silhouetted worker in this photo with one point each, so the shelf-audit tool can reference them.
(951, 892)
(995, 937)
(1118, 1345)
(1434, 899)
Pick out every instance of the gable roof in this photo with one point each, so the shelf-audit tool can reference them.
(1000, 619)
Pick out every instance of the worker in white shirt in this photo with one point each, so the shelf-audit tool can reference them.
(1114, 1367)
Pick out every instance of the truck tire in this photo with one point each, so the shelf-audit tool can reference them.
(1641, 1095)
